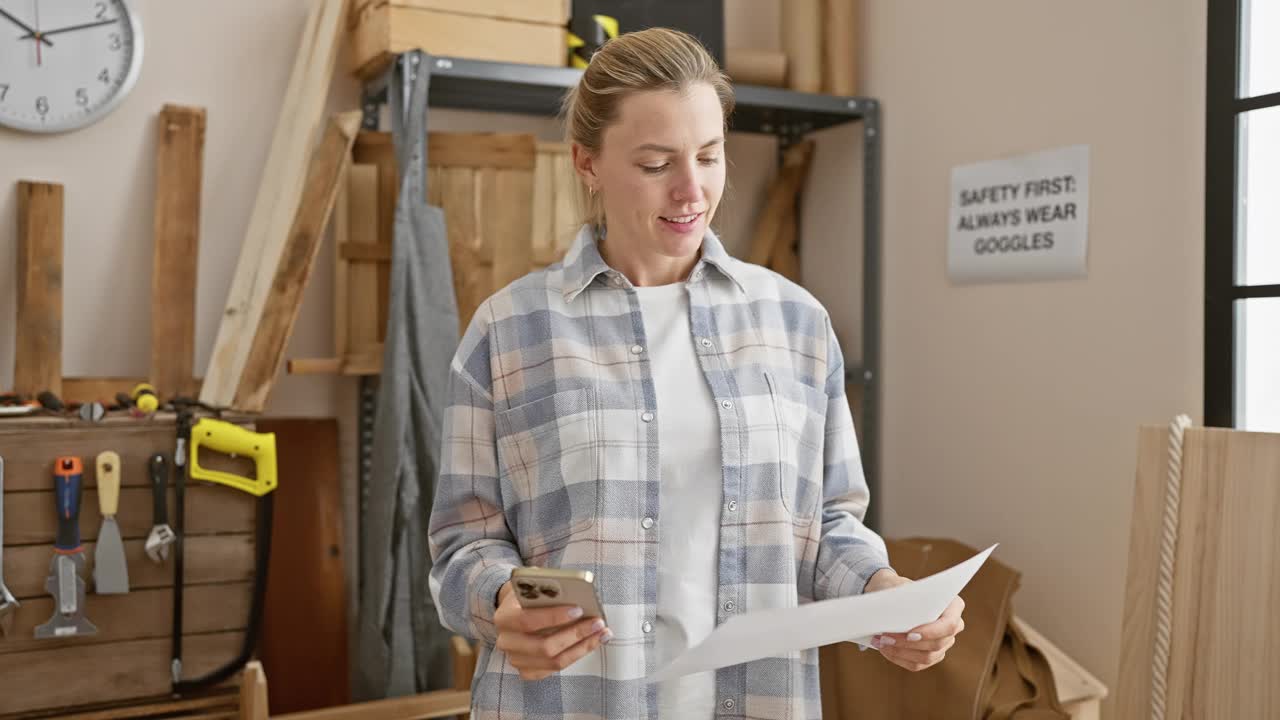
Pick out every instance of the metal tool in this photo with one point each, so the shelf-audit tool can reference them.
(233, 440)
(64, 581)
(161, 536)
(8, 603)
(110, 571)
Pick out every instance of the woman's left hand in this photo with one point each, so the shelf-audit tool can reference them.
(921, 647)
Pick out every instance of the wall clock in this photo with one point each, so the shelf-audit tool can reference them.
(65, 64)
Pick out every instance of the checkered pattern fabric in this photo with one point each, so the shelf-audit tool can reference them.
(550, 458)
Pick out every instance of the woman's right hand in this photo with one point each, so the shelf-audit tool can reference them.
(539, 656)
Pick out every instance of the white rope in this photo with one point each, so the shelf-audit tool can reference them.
(1164, 582)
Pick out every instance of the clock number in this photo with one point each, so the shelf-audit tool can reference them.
(4, 90)
(105, 77)
(82, 97)
(42, 105)
(115, 41)
(102, 10)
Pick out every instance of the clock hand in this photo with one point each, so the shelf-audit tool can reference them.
(30, 32)
(33, 33)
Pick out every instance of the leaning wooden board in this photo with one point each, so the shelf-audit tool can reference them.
(1224, 645)
(129, 657)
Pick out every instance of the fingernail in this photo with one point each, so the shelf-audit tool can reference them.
(597, 626)
(607, 636)
(888, 641)
(914, 637)
(575, 613)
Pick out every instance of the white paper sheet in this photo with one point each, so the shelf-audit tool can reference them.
(771, 632)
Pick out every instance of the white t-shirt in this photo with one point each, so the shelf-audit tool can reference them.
(689, 497)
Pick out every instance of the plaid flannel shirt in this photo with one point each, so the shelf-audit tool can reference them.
(550, 458)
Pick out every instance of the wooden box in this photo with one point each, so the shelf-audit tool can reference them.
(530, 31)
(128, 659)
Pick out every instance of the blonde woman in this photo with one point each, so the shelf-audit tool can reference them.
(661, 414)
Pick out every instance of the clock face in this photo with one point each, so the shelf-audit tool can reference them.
(65, 63)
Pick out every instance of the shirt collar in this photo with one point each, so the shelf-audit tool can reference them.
(583, 262)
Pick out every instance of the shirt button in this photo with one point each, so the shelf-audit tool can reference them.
(646, 627)
(733, 505)
(730, 606)
(636, 349)
(647, 417)
(726, 404)
(728, 704)
(705, 342)
(697, 274)
(646, 523)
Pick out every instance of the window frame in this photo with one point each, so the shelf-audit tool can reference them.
(1223, 108)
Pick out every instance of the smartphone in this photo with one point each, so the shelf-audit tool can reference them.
(537, 587)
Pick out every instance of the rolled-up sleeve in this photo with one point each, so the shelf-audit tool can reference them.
(472, 549)
(849, 552)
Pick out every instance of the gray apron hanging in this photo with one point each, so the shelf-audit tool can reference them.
(422, 336)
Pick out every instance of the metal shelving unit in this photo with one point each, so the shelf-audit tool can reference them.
(537, 90)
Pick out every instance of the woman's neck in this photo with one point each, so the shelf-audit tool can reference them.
(644, 269)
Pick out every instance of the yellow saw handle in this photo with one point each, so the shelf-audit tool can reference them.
(235, 440)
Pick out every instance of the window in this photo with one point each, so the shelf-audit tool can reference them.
(1242, 216)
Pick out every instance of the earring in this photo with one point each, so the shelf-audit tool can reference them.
(592, 190)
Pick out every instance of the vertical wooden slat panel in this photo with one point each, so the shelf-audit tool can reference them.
(508, 203)
(179, 172)
(363, 326)
(38, 350)
(457, 188)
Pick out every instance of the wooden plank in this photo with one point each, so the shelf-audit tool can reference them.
(437, 704)
(280, 309)
(756, 67)
(362, 312)
(37, 364)
(506, 223)
(139, 615)
(306, 562)
(278, 199)
(542, 236)
(179, 174)
(341, 267)
(149, 708)
(548, 12)
(802, 41)
(362, 252)
(471, 275)
(103, 673)
(209, 559)
(1225, 639)
(840, 57)
(29, 456)
(781, 201)
(253, 692)
(99, 389)
(362, 361)
(510, 151)
(29, 516)
(384, 31)
(568, 215)
(1137, 636)
(376, 148)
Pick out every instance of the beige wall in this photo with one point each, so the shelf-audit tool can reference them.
(1010, 410)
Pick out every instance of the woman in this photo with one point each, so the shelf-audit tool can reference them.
(661, 414)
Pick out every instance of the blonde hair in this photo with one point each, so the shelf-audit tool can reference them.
(653, 59)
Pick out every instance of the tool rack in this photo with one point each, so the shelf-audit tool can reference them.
(129, 658)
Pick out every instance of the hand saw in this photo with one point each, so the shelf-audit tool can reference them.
(233, 440)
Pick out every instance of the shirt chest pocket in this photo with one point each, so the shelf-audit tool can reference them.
(548, 458)
(800, 415)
